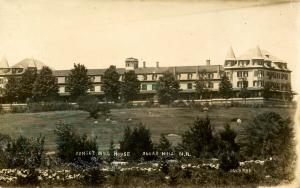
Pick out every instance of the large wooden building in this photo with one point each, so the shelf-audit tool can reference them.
(255, 68)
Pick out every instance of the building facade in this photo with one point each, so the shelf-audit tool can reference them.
(255, 68)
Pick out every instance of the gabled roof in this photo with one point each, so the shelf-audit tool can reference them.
(257, 53)
(150, 70)
(4, 63)
(29, 62)
(230, 54)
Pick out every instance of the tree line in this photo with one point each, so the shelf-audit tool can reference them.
(42, 85)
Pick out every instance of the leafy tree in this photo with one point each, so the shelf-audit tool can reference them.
(79, 81)
(130, 88)
(12, 89)
(225, 87)
(228, 137)
(200, 86)
(26, 84)
(136, 142)
(164, 144)
(111, 84)
(244, 93)
(70, 143)
(91, 104)
(267, 91)
(199, 139)
(168, 88)
(45, 86)
(269, 135)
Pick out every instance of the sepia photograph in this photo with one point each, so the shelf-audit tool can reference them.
(149, 93)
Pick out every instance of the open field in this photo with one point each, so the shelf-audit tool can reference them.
(160, 120)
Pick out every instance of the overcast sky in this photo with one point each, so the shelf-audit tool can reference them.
(101, 33)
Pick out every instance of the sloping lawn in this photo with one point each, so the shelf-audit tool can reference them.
(173, 121)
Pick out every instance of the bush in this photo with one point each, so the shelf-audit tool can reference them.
(18, 108)
(70, 144)
(91, 104)
(93, 176)
(25, 152)
(50, 106)
(228, 161)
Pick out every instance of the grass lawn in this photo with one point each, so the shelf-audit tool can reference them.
(160, 120)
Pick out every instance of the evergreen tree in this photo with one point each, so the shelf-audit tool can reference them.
(26, 84)
(45, 86)
(136, 142)
(168, 88)
(111, 152)
(164, 144)
(79, 81)
(229, 149)
(225, 87)
(130, 88)
(199, 140)
(12, 89)
(111, 84)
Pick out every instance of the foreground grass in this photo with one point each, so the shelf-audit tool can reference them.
(172, 121)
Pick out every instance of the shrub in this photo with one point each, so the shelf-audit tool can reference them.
(91, 104)
(228, 161)
(4, 140)
(69, 143)
(25, 152)
(50, 106)
(18, 108)
(93, 176)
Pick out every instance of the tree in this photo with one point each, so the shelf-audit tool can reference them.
(26, 84)
(70, 144)
(12, 89)
(45, 86)
(225, 87)
(130, 88)
(91, 104)
(200, 86)
(79, 81)
(269, 135)
(244, 93)
(111, 152)
(136, 142)
(111, 84)
(164, 144)
(199, 139)
(229, 149)
(263, 137)
(168, 88)
(267, 91)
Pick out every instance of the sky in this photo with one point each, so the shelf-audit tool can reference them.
(102, 33)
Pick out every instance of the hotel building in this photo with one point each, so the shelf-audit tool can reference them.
(255, 68)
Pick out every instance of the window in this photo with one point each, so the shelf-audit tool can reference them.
(189, 86)
(154, 76)
(254, 83)
(154, 86)
(210, 85)
(144, 86)
(190, 76)
(239, 74)
(245, 74)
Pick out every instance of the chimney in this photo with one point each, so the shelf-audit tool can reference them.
(157, 64)
(144, 64)
(208, 62)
